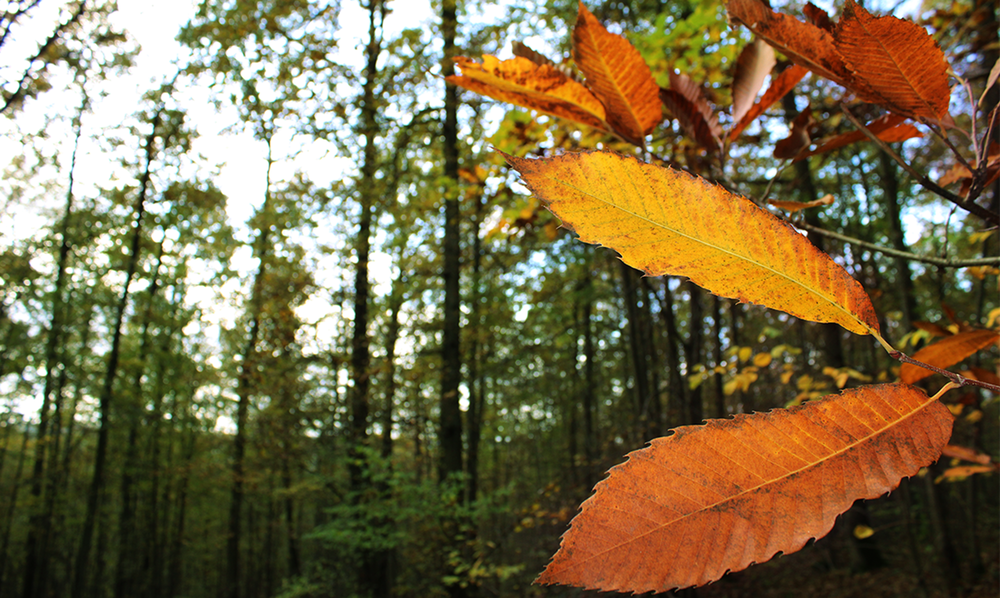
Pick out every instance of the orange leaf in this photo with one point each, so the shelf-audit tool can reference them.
(887, 128)
(803, 43)
(538, 87)
(779, 87)
(818, 17)
(795, 206)
(947, 352)
(966, 454)
(963, 471)
(896, 60)
(719, 497)
(752, 67)
(664, 221)
(524, 51)
(619, 76)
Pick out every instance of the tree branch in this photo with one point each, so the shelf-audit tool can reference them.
(956, 378)
(925, 182)
(937, 261)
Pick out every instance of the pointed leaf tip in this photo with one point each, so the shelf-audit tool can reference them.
(664, 221)
(719, 497)
(618, 75)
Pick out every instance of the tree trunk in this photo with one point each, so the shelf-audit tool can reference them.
(82, 565)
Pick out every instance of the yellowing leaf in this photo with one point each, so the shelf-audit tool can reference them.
(715, 498)
(538, 87)
(619, 76)
(744, 354)
(863, 531)
(947, 352)
(663, 221)
(762, 360)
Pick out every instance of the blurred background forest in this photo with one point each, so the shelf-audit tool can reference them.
(387, 371)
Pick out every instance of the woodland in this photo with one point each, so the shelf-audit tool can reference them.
(697, 298)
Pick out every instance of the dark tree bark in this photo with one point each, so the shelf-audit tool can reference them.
(450, 430)
(82, 564)
(695, 351)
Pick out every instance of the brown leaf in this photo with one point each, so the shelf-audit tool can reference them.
(618, 75)
(719, 497)
(898, 63)
(947, 352)
(779, 87)
(752, 67)
(818, 17)
(687, 103)
(966, 454)
(803, 43)
(798, 138)
(889, 128)
(538, 87)
(524, 51)
(795, 206)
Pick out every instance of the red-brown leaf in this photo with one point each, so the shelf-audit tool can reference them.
(818, 17)
(686, 101)
(898, 63)
(618, 75)
(889, 128)
(947, 352)
(798, 138)
(719, 497)
(780, 86)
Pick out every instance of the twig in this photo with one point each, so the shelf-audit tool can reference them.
(937, 261)
(925, 182)
(956, 378)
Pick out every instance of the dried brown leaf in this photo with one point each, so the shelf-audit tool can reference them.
(752, 67)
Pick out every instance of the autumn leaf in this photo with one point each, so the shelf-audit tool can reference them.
(686, 101)
(795, 206)
(899, 63)
(536, 86)
(524, 51)
(818, 17)
(718, 497)
(664, 221)
(752, 67)
(798, 138)
(882, 60)
(947, 352)
(780, 86)
(618, 75)
(966, 454)
(803, 43)
(889, 128)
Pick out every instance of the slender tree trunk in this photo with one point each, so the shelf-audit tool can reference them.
(450, 435)
(591, 442)
(678, 387)
(35, 554)
(695, 351)
(82, 565)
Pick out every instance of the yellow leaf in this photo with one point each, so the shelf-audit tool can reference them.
(993, 316)
(863, 531)
(619, 76)
(538, 87)
(744, 354)
(974, 416)
(955, 408)
(762, 360)
(786, 376)
(663, 221)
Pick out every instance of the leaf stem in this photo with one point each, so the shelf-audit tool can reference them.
(945, 389)
(956, 379)
(925, 182)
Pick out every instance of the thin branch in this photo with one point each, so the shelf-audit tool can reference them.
(937, 261)
(956, 378)
(925, 182)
